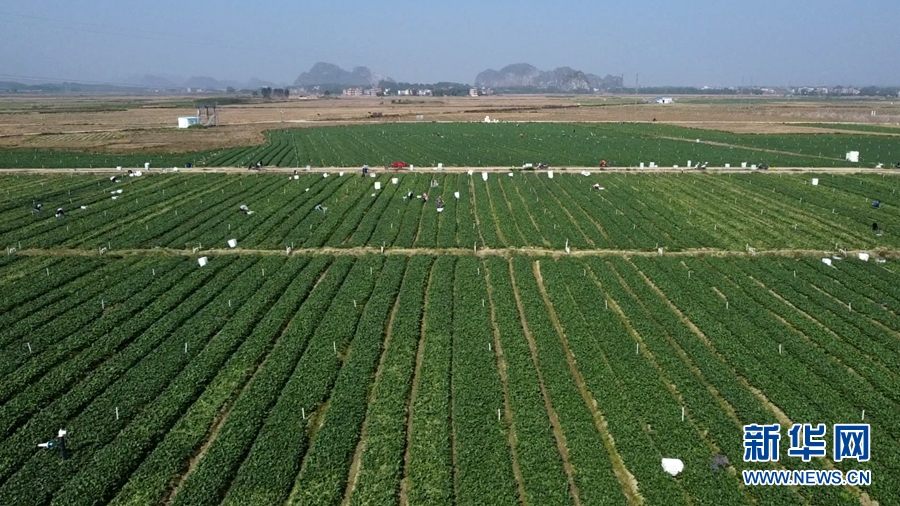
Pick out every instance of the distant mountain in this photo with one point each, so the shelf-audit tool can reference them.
(327, 73)
(256, 83)
(203, 82)
(154, 81)
(524, 75)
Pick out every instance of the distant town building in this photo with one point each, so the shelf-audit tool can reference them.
(404, 93)
(423, 93)
(473, 92)
(352, 92)
(664, 100)
(372, 92)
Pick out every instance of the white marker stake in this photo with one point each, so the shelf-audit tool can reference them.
(606, 302)
(779, 349)
(48, 271)
(637, 348)
(154, 271)
(334, 345)
(498, 414)
(29, 348)
(185, 348)
(117, 412)
(303, 412)
(354, 303)
(229, 302)
(726, 304)
(489, 346)
(102, 304)
(682, 413)
(863, 415)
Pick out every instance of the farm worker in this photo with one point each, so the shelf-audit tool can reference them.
(37, 209)
(320, 208)
(596, 186)
(59, 212)
(874, 227)
(876, 204)
(603, 163)
(409, 195)
(440, 202)
(365, 170)
(424, 197)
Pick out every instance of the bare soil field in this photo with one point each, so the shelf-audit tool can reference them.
(127, 124)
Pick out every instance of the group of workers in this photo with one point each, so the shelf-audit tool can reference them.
(37, 209)
(424, 197)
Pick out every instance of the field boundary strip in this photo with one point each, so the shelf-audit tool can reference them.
(484, 252)
(561, 170)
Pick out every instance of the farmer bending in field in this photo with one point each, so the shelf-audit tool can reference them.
(320, 208)
(425, 198)
(440, 203)
(60, 213)
(37, 209)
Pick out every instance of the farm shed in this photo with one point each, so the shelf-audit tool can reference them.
(186, 121)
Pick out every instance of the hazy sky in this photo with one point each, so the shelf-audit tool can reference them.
(690, 42)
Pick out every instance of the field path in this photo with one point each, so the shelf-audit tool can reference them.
(561, 170)
(626, 478)
(420, 354)
(504, 252)
(558, 434)
(223, 415)
(504, 382)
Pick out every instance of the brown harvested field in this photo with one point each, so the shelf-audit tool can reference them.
(124, 124)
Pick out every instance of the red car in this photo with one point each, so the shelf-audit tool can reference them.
(399, 165)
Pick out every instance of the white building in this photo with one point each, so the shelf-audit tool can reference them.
(352, 92)
(664, 100)
(473, 92)
(186, 121)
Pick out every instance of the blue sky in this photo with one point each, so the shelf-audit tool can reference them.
(689, 42)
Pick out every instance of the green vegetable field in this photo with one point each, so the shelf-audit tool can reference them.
(524, 346)
(507, 145)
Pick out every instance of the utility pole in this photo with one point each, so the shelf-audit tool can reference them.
(637, 78)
